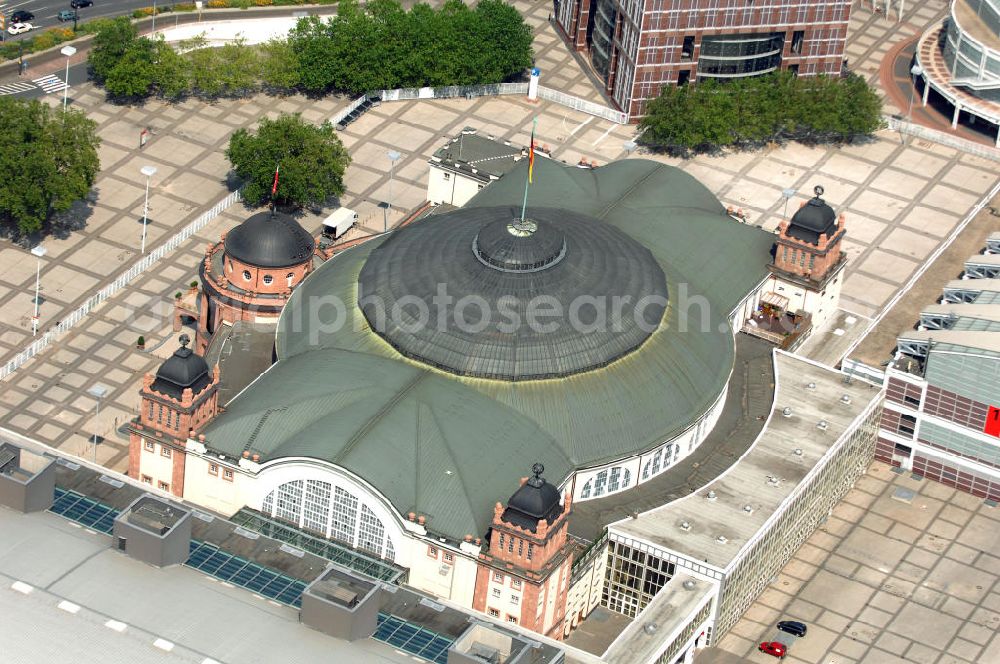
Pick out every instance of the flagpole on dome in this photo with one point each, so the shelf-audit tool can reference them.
(531, 168)
(274, 188)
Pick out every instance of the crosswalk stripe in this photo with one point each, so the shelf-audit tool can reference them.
(50, 83)
(14, 88)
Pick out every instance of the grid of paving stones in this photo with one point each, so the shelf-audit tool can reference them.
(900, 201)
(888, 578)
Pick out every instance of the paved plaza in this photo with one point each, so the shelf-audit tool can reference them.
(904, 570)
(900, 200)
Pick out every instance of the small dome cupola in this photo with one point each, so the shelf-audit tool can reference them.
(266, 240)
(184, 369)
(813, 219)
(534, 501)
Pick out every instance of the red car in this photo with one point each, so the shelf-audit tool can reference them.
(773, 648)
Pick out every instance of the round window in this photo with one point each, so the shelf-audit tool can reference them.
(268, 279)
(246, 275)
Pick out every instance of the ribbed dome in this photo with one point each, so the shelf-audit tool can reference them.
(534, 501)
(266, 241)
(813, 219)
(182, 370)
(463, 293)
(519, 246)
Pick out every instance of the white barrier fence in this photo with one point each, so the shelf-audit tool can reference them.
(147, 261)
(935, 136)
(493, 90)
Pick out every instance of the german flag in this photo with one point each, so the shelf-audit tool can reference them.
(531, 154)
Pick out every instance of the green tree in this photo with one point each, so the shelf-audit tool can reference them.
(49, 160)
(279, 66)
(312, 161)
(109, 46)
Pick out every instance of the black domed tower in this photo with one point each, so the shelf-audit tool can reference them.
(529, 558)
(809, 243)
(176, 401)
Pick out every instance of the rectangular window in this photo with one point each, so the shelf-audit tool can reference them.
(432, 552)
(150, 410)
(494, 613)
(512, 619)
(498, 577)
(907, 425)
(520, 548)
(150, 446)
(501, 541)
(227, 475)
(531, 550)
(164, 486)
(496, 592)
(146, 479)
(448, 557)
(213, 469)
(797, 38)
(687, 48)
(447, 176)
(515, 584)
(510, 545)
(515, 599)
(165, 451)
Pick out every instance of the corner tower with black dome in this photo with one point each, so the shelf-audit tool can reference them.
(249, 274)
(176, 402)
(808, 259)
(524, 574)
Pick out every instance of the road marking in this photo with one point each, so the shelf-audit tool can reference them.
(580, 126)
(50, 83)
(163, 645)
(16, 88)
(604, 135)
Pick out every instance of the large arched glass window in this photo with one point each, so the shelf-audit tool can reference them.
(330, 511)
(585, 492)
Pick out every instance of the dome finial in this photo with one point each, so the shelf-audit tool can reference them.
(184, 340)
(538, 469)
(818, 190)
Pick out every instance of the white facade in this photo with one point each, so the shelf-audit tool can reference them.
(821, 305)
(445, 185)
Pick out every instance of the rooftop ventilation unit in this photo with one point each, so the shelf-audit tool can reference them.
(786, 412)
(811, 386)
(748, 508)
(650, 628)
(711, 495)
(689, 584)
(684, 525)
(773, 481)
(721, 539)
(797, 451)
(822, 425)
(444, 569)
(846, 399)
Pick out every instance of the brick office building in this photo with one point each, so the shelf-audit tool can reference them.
(942, 404)
(638, 46)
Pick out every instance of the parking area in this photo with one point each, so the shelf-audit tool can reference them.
(905, 570)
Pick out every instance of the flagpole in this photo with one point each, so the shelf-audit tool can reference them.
(531, 159)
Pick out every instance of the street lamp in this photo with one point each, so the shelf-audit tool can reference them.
(38, 251)
(393, 157)
(98, 392)
(148, 171)
(915, 71)
(787, 194)
(153, 30)
(69, 52)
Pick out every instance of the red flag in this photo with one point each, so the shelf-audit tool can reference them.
(274, 187)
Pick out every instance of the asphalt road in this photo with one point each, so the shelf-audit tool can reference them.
(47, 11)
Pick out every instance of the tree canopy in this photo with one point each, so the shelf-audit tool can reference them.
(749, 112)
(48, 158)
(311, 158)
(380, 46)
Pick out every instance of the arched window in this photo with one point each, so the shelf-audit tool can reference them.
(626, 479)
(600, 482)
(330, 511)
(614, 479)
(585, 492)
(645, 470)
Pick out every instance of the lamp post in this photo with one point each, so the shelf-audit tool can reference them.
(148, 171)
(787, 194)
(69, 52)
(37, 251)
(915, 71)
(393, 157)
(153, 29)
(98, 392)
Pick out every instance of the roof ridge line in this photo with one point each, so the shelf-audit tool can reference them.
(625, 194)
(374, 419)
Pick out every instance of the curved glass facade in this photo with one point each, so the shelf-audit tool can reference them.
(970, 47)
(604, 14)
(733, 56)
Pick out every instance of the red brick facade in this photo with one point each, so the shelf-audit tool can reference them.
(806, 260)
(540, 562)
(659, 42)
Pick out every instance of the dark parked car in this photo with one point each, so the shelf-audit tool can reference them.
(792, 627)
(78, 4)
(20, 16)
